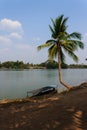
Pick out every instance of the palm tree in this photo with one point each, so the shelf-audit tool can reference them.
(62, 41)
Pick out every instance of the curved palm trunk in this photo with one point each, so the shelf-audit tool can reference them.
(59, 71)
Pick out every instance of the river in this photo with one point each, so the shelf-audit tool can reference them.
(15, 84)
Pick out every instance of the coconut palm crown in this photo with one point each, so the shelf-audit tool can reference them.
(62, 41)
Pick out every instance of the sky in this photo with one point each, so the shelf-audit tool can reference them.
(24, 25)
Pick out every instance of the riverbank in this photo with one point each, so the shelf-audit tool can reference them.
(65, 111)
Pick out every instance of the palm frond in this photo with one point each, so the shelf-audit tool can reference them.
(70, 42)
(58, 23)
(75, 35)
(71, 54)
(52, 51)
(76, 44)
(62, 56)
(52, 31)
(63, 25)
(51, 41)
(53, 22)
(80, 44)
(74, 57)
(70, 46)
(43, 46)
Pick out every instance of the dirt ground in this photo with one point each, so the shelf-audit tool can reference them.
(66, 111)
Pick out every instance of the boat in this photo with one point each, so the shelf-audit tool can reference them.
(42, 91)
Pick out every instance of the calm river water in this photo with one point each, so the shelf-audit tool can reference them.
(15, 84)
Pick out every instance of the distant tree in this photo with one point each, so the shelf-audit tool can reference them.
(42, 64)
(62, 41)
(0, 64)
(8, 64)
(64, 66)
(51, 64)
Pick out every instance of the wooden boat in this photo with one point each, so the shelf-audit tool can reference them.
(43, 90)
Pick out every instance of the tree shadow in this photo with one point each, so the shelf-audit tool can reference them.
(64, 112)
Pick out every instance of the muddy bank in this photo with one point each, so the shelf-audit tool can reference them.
(65, 111)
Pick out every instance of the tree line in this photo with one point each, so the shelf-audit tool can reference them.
(44, 65)
(14, 65)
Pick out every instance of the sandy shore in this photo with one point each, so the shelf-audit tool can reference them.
(66, 111)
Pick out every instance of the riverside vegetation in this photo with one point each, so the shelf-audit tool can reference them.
(49, 64)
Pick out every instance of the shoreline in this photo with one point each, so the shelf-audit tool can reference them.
(26, 99)
(64, 111)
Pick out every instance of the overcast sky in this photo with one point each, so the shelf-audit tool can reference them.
(24, 24)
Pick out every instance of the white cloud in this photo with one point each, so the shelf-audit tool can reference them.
(10, 25)
(3, 50)
(15, 35)
(10, 31)
(25, 52)
(24, 47)
(5, 41)
(13, 46)
(86, 34)
(85, 37)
